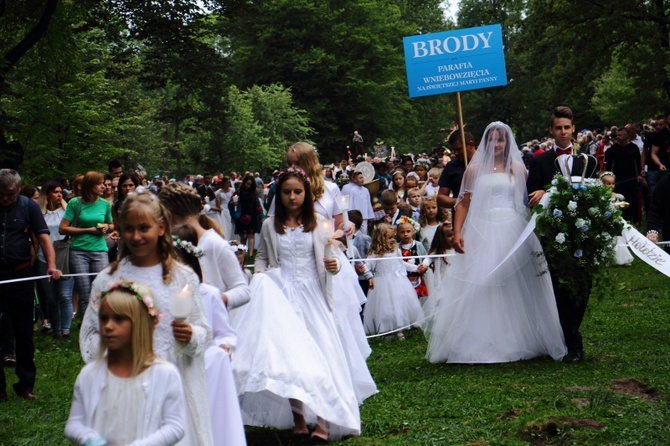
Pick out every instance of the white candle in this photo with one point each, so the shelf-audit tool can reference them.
(344, 207)
(327, 227)
(181, 303)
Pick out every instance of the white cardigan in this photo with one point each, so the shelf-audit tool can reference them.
(221, 269)
(164, 413)
(267, 258)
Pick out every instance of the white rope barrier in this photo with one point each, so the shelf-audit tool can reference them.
(428, 256)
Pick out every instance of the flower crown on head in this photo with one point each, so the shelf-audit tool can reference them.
(422, 162)
(294, 171)
(607, 173)
(188, 247)
(133, 288)
(236, 248)
(407, 220)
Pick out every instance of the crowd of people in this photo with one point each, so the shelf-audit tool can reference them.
(183, 344)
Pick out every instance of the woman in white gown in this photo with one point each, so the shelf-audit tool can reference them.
(290, 366)
(499, 305)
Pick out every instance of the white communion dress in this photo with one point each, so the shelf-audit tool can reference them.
(289, 347)
(494, 311)
(392, 303)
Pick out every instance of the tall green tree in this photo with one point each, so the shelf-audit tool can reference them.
(343, 61)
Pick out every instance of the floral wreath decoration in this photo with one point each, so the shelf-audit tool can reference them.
(189, 247)
(236, 248)
(294, 171)
(408, 220)
(422, 162)
(579, 228)
(132, 288)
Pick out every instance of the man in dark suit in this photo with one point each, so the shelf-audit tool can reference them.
(571, 308)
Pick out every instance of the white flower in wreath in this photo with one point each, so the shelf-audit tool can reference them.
(554, 182)
(580, 222)
(572, 206)
(594, 211)
(560, 238)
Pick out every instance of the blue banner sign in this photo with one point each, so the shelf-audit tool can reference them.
(465, 59)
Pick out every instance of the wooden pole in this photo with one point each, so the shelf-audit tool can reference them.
(460, 126)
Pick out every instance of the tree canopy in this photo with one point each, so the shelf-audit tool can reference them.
(187, 85)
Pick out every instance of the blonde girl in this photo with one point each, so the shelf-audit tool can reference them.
(128, 395)
(392, 303)
(146, 254)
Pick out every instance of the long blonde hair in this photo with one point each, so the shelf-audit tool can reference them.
(309, 162)
(124, 302)
(146, 204)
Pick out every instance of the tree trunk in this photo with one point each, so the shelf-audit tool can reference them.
(12, 153)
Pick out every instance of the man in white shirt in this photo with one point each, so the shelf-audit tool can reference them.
(359, 199)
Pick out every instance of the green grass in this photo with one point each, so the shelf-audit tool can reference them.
(536, 402)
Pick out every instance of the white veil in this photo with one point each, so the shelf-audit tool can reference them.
(485, 161)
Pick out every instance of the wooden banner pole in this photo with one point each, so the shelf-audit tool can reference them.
(460, 126)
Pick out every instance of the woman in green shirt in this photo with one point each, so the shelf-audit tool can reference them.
(88, 251)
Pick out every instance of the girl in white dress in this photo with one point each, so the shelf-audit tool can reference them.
(499, 305)
(290, 366)
(622, 255)
(225, 194)
(438, 267)
(392, 303)
(430, 218)
(224, 408)
(127, 396)
(348, 295)
(147, 255)
(219, 266)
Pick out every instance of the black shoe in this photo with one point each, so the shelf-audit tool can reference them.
(9, 361)
(572, 357)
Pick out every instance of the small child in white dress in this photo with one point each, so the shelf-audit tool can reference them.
(392, 302)
(622, 255)
(431, 216)
(240, 251)
(127, 396)
(436, 275)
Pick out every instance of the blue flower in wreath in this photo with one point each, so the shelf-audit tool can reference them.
(575, 187)
(579, 253)
(558, 213)
(607, 214)
(584, 228)
(582, 187)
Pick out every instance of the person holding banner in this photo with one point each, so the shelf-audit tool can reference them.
(452, 174)
(499, 306)
(543, 168)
